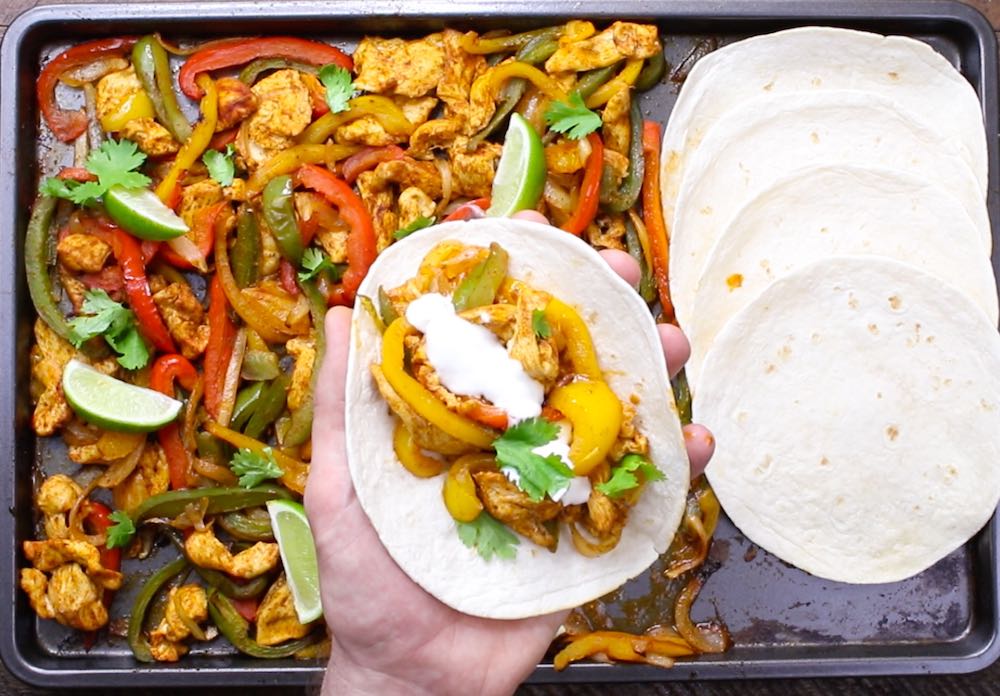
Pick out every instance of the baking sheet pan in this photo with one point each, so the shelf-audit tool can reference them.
(783, 621)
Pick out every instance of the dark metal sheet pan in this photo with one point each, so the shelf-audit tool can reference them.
(784, 622)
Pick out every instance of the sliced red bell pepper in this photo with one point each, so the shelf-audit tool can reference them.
(218, 353)
(149, 248)
(223, 138)
(590, 189)
(128, 252)
(468, 211)
(76, 174)
(69, 125)
(109, 279)
(286, 274)
(166, 370)
(361, 239)
(247, 608)
(99, 519)
(228, 54)
(202, 234)
(368, 158)
(652, 216)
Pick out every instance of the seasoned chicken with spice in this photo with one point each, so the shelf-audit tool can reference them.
(151, 477)
(304, 352)
(83, 253)
(236, 102)
(49, 356)
(276, 619)
(367, 130)
(619, 41)
(204, 549)
(150, 136)
(117, 94)
(198, 196)
(284, 110)
(186, 604)
(512, 506)
(397, 66)
(55, 498)
(184, 317)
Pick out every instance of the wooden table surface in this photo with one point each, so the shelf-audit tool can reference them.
(984, 682)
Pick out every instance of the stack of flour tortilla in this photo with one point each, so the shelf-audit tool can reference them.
(830, 261)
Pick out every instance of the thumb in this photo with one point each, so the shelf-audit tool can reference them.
(329, 487)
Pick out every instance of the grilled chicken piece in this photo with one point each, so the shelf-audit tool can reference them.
(396, 66)
(378, 199)
(367, 130)
(564, 157)
(276, 618)
(184, 317)
(604, 516)
(165, 640)
(151, 477)
(619, 41)
(436, 134)
(49, 356)
(151, 137)
(413, 205)
(55, 498)
(115, 90)
(538, 356)
(630, 440)
(460, 71)
(424, 433)
(472, 172)
(607, 232)
(284, 110)
(198, 196)
(68, 596)
(236, 102)
(615, 132)
(48, 555)
(512, 506)
(208, 552)
(304, 352)
(83, 253)
(331, 233)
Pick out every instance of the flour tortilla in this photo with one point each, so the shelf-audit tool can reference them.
(408, 512)
(765, 139)
(832, 211)
(908, 72)
(856, 410)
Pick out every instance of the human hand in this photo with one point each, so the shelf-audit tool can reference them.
(389, 635)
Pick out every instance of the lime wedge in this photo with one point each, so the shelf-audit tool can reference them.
(298, 555)
(113, 404)
(520, 176)
(142, 213)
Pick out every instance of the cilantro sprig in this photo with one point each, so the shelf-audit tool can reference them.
(418, 224)
(538, 476)
(488, 537)
(623, 476)
(540, 325)
(315, 261)
(221, 165)
(253, 469)
(113, 163)
(573, 119)
(102, 316)
(120, 534)
(339, 87)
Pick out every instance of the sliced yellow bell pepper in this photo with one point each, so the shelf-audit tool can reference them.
(579, 347)
(459, 490)
(295, 472)
(288, 161)
(419, 398)
(627, 76)
(385, 110)
(496, 77)
(136, 105)
(410, 456)
(197, 143)
(596, 415)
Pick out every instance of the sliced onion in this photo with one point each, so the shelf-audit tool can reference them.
(190, 413)
(557, 197)
(231, 384)
(122, 468)
(95, 135)
(187, 250)
(76, 530)
(640, 230)
(193, 516)
(214, 472)
(583, 145)
(92, 72)
(443, 165)
(710, 637)
(592, 548)
(76, 433)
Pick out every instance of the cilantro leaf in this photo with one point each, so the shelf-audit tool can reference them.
(623, 477)
(537, 475)
(339, 87)
(120, 533)
(573, 119)
(489, 537)
(540, 325)
(221, 166)
(253, 468)
(315, 261)
(100, 315)
(112, 163)
(418, 224)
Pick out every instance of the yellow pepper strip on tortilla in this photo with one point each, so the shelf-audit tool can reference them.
(460, 489)
(579, 346)
(197, 143)
(290, 160)
(495, 78)
(627, 76)
(411, 457)
(419, 398)
(385, 110)
(295, 472)
(596, 415)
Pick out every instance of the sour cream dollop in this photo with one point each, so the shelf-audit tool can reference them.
(471, 361)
